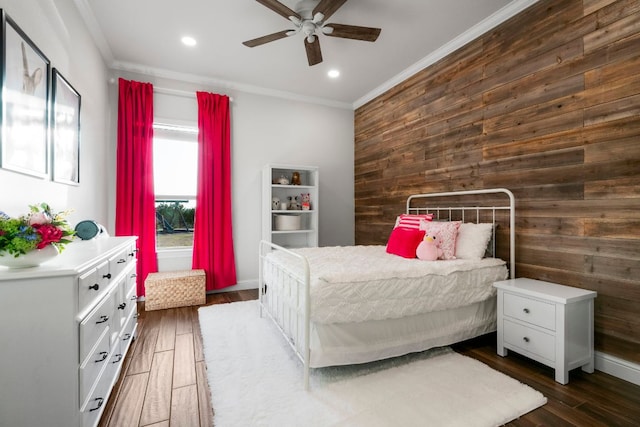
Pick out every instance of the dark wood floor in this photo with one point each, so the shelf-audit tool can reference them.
(164, 381)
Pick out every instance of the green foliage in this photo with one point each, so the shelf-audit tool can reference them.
(39, 228)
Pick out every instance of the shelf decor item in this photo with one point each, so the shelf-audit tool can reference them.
(34, 238)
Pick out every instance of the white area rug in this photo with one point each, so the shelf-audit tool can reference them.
(256, 380)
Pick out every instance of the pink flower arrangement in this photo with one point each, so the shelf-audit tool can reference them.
(36, 230)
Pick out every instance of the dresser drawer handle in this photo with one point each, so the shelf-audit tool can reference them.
(119, 356)
(134, 297)
(526, 310)
(102, 319)
(121, 261)
(104, 355)
(126, 337)
(525, 339)
(122, 306)
(107, 276)
(95, 287)
(100, 401)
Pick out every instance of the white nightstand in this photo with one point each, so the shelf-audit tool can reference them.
(547, 322)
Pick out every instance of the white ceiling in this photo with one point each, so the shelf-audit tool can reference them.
(144, 35)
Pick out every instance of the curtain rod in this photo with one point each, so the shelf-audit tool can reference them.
(167, 91)
(177, 92)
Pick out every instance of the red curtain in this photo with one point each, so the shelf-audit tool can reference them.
(135, 199)
(213, 237)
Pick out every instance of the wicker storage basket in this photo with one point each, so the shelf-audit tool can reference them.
(174, 289)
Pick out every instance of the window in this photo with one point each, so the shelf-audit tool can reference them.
(175, 160)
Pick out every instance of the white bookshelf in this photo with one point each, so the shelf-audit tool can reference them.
(290, 227)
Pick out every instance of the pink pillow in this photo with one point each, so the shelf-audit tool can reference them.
(448, 232)
(412, 220)
(404, 241)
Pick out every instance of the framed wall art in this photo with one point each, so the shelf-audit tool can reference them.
(65, 130)
(25, 102)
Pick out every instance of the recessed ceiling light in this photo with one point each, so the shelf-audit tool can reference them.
(333, 74)
(189, 41)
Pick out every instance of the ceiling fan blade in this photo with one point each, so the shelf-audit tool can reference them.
(266, 39)
(314, 54)
(279, 8)
(355, 32)
(328, 7)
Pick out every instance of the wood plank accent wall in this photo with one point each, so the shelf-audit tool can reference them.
(547, 105)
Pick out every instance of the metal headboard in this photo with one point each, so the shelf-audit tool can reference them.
(447, 213)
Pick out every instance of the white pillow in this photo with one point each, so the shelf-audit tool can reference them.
(472, 240)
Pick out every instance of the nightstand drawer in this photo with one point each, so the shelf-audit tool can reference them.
(530, 310)
(534, 342)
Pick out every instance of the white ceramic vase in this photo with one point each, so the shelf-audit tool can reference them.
(31, 259)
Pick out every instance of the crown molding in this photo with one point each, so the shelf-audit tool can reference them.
(225, 85)
(471, 34)
(508, 11)
(94, 29)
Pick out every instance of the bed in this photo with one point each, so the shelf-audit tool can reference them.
(356, 304)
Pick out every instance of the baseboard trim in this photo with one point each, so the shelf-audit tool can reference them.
(617, 367)
(240, 286)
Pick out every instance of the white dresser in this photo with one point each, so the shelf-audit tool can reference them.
(65, 328)
(547, 322)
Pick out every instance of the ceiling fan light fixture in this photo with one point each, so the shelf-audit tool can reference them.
(309, 19)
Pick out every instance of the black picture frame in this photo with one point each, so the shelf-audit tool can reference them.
(25, 76)
(65, 130)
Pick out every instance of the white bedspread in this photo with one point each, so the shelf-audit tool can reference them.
(358, 283)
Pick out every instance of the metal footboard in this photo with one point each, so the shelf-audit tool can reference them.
(284, 297)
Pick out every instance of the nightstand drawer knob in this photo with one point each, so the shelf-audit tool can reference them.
(525, 339)
(526, 310)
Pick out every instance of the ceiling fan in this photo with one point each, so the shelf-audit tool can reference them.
(310, 19)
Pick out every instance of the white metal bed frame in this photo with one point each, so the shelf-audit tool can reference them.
(292, 315)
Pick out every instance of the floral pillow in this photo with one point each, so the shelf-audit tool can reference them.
(448, 232)
(404, 241)
(412, 220)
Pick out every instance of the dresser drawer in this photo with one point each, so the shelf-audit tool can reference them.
(92, 327)
(126, 337)
(121, 260)
(130, 298)
(93, 407)
(533, 341)
(93, 364)
(529, 310)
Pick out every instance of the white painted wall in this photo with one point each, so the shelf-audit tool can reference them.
(264, 129)
(59, 32)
